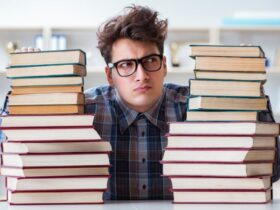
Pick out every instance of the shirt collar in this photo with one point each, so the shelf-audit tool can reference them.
(126, 116)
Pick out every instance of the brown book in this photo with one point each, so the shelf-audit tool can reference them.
(226, 50)
(46, 99)
(225, 88)
(46, 71)
(47, 89)
(46, 109)
(221, 116)
(230, 64)
(74, 56)
(227, 103)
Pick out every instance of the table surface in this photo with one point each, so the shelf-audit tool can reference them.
(154, 205)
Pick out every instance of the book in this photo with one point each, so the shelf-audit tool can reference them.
(221, 115)
(45, 109)
(51, 133)
(57, 183)
(248, 142)
(227, 103)
(229, 64)
(72, 56)
(46, 120)
(54, 171)
(224, 128)
(48, 81)
(223, 75)
(60, 197)
(56, 147)
(222, 196)
(228, 183)
(225, 88)
(47, 89)
(47, 99)
(55, 160)
(216, 155)
(45, 71)
(217, 169)
(226, 51)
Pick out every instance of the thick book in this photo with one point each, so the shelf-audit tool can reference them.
(227, 103)
(59, 197)
(55, 159)
(224, 75)
(46, 109)
(45, 71)
(226, 51)
(57, 183)
(211, 115)
(217, 169)
(65, 171)
(249, 142)
(48, 81)
(225, 88)
(228, 183)
(47, 99)
(73, 56)
(222, 196)
(218, 155)
(229, 64)
(51, 133)
(224, 128)
(47, 89)
(61, 147)
(46, 120)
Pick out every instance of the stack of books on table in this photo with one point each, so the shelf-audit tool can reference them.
(222, 154)
(52, 153)
(47, 82)
(228, 83)
(54, 159)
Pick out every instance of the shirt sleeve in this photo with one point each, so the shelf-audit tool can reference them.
(4, 111)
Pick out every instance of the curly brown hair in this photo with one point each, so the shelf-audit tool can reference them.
(138, 23)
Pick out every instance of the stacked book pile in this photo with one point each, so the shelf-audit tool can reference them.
(52, 154)
(222, 154)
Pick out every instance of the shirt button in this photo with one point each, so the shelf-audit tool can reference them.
(143, 133)
(143, 160)
(144, 187)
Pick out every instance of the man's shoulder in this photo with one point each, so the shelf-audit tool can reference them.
(99, 93)
(175, 92)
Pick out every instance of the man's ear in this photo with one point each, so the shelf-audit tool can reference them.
(109, 76)
(164, 65)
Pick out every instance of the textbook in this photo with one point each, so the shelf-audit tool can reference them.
(53, 197)
(226, 51)
(249, 142)
(47, 99)
(47, 89)
(57, 183)
(55, 160)
(225, 88)
(221, 115)
(65, 171)
(73, 56)
(45, 109)
(228, 183)
(227, 103)
(56, 147)
(216, 155)
(224, 128)
(45, 71)
(222, 196)
(229, 64)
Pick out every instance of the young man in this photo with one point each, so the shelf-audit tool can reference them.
(133, 111)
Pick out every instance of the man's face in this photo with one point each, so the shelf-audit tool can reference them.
(141, 90)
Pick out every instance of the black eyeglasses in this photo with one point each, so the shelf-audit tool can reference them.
(128, 67)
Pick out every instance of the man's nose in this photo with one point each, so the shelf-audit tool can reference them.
(141, 74)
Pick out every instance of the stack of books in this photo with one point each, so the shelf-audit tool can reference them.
(54, 159)
(222, 154)
(47, 82)
(228, 83)
(52, 153)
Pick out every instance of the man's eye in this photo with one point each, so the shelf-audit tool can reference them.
(125, 64)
